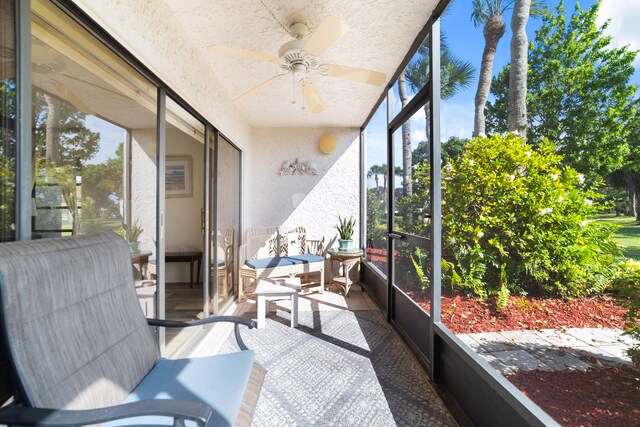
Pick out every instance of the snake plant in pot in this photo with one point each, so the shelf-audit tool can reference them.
(131, 233)
(345, 231)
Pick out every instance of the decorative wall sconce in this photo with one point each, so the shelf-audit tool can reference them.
(290, 168)
(328, 143)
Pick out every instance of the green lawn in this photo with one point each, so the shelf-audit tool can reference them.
(96, 225)
(628, 235)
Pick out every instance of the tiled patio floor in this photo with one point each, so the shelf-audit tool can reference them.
(343, 365)
(328, 301)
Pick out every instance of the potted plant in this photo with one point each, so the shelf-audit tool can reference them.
(131, 234)
(345, 231)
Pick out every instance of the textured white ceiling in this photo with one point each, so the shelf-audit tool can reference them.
(379, 36)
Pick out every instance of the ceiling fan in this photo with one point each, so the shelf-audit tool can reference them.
(299, 57)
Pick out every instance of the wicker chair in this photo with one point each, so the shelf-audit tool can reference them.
(224, 256)
(280, 252)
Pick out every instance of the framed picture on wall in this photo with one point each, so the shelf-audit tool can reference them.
(178, 176)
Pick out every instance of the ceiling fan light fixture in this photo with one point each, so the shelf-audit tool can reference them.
(299, 68)
(299, 30)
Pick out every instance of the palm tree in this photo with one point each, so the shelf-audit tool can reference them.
(517, 108)
(406, 137)
(487, 13)
(373, 172)
(376, 171)
(455, 74)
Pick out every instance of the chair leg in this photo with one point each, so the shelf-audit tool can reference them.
(294, 310)
(262, 307)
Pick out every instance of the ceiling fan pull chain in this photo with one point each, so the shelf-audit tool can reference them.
(304, 83)
(293, 88)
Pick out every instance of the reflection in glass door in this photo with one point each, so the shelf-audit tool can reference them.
(94, 135)
(183, 232)
(8, 123)
(94, 158)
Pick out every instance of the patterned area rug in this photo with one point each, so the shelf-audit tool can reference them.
(339, 368)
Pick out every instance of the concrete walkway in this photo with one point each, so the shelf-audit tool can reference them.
(550, 349)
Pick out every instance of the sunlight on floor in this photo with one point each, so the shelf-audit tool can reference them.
(329, 301)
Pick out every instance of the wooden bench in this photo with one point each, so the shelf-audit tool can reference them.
(81, 351)
(280, 252)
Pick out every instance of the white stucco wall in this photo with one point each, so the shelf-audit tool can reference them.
(313, 201)
(143, 187)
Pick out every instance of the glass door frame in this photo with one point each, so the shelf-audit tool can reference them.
(430, 93)
(211, 227)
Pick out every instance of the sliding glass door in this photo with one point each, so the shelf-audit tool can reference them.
(182, 294)
(224, 184)
(8, 150)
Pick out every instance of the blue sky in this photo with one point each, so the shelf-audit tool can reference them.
(467, 42)
(110, 137)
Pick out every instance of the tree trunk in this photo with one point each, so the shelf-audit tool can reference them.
(632, 191)
(406, 139)
(635, 201)
(519, 65)
(52, 147)
(427, 113)
(636, 205)
(493, 30)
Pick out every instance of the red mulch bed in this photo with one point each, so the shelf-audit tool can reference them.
(598, 397)
(471, 315)
(604, 396)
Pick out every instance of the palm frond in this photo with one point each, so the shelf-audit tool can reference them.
(483, 10)
(479, 13)
(538, 8)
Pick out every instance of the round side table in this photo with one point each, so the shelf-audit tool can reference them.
(348, 259)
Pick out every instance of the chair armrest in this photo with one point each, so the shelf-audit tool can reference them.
(179, 410)
(214, 319)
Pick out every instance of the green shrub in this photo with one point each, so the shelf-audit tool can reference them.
(627, 283)
(515, 220)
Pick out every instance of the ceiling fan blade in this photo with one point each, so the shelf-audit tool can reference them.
(258, 88)
(312, 98)
(241, 53)
(330, 30)
(355, 74)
